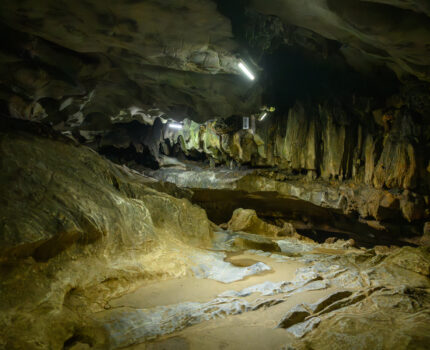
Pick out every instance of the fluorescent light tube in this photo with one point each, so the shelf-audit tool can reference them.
(263, 116)
(175, 125)
(246, 71)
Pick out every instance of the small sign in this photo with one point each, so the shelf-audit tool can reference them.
(245, 123)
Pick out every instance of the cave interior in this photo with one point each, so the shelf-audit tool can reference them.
(215, 174)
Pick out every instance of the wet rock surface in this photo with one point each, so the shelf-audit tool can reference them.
(341, 132)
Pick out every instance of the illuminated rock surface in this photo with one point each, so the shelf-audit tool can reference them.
(88, 228)
(87, 249)
(152, 196)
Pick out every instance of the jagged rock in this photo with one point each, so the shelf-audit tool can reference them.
(294, 246)
(242, 241)
(112, 62)
(323, 303)
(350, 149)
(380, 249)
(301, 329)
(330, 240)
(299, 321)
(221, 191)
(126, 325)
(296, 315)
(344, 302)
(362, 325)
(417, 260)
(248, 221)
(342, 151)
(335, 242)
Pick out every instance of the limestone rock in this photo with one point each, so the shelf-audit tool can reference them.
(80, 210)
(234, 241)
(355, 23)
(221, 191)
(323, 303)
(417, 260)
(248, 221)
(363, 325)
(294, 316)
(85, 59)
(244, 241)
(213, 266)
(300, 329)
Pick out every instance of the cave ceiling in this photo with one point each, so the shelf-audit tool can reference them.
(71, 63)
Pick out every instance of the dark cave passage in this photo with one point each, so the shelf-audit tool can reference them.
(317, 223)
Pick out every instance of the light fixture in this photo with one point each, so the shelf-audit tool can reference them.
(246, 71)
(245, 125)
(174, 125)
(264, 115)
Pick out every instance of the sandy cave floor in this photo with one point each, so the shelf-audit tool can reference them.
(302, 295)
(250, 330)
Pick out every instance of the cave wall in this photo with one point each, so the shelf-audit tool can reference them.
(111, 75)
(69, 64)
(383, 148)
(77, 229)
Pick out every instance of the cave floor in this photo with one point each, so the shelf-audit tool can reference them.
(254, 299)
(257, 329)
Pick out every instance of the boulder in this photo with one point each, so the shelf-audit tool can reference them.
(257, 242)
(247, 220)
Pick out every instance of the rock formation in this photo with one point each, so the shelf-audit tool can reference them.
(157, 194)
(77, 229)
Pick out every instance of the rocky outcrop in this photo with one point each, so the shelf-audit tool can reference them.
(76, 229)
(343, 151)
(337, 329)
(248, 221)
(112, 77)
